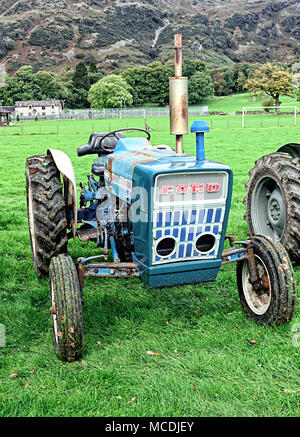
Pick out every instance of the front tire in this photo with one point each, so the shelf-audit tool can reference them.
(66, 309)
(273, 200)
(46, 211)
(274, 302)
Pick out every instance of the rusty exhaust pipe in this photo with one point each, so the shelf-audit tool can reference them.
(178, 98)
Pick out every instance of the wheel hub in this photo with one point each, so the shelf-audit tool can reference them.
(268, 208)
(276, 209)
(258, 299)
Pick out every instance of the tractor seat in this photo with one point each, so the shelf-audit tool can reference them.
(93, 147)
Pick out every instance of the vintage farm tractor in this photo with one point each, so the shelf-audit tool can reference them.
(153, 212)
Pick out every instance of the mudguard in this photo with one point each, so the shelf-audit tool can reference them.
(64, 165)
(292, 149)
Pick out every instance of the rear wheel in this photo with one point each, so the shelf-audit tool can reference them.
(273, 200)
(46, 210)
(273, 302)
(66, 309)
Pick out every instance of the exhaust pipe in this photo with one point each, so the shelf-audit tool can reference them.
(178, 100)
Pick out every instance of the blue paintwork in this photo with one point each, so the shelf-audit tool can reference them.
(199, 127)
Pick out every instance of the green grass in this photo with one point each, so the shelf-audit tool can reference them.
(236, 102)
(209, 348)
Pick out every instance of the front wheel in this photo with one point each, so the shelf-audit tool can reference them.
(66, 308)
(273, 302)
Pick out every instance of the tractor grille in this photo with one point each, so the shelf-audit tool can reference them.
(186, 226)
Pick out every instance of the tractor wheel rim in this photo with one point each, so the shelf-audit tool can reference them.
(268, 212)
(257, 302)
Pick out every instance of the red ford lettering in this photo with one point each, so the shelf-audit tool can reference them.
(212, 188)
(181, 189)
(193, 188)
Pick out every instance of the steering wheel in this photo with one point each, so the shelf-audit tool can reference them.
(114, 133)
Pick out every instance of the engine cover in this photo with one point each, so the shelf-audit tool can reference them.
(183, 205)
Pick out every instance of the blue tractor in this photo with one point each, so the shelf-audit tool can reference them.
(153, 212)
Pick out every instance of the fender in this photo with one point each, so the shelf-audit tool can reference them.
(64, 165)
(292, 148)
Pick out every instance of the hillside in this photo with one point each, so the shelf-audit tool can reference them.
(120, 33)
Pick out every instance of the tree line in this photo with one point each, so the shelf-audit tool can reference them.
(136, 86)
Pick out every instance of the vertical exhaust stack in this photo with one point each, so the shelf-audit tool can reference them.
(178, 98)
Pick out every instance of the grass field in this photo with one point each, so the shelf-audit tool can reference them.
(207, 365)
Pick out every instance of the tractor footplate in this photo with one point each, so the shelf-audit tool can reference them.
(86, 234)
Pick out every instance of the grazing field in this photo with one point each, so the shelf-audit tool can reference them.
(207, 363)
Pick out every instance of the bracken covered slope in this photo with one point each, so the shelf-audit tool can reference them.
(119, 33)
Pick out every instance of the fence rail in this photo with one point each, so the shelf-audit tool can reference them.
(95, 114)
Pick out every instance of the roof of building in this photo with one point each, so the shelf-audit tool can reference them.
(5, 110)
(38, 103)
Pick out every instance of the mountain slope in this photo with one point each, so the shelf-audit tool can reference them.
(120, 33)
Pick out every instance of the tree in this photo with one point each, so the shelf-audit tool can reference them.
(135, 77)
(80, 87)
(150, 84)
(93, 67)
(80, 77)
(272, 80)
(190, 67)
(200, 86)
(50, 86)
(22, 86)
(298, 92)
(109, 92)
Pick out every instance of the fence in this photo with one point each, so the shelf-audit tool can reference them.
(96, 114)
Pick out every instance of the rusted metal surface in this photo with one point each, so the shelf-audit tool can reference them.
(81, 274)
(105, 269)
(179, 106)
(178, 98)
(233, 255)
(230, 238)
(178, 54)
(253, 279)
(86, 234)
(145, 157)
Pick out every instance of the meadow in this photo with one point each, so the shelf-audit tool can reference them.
(210, 359)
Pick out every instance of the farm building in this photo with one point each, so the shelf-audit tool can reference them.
(42, 108)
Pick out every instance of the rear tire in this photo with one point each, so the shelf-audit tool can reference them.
(46, 210)
(66, 309)
(275, 302)
(273, 200)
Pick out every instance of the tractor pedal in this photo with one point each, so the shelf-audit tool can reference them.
(86, 234)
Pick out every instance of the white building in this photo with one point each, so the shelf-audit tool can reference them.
(42, 108)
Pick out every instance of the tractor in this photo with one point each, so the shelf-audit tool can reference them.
(153, 212)
(273, 198)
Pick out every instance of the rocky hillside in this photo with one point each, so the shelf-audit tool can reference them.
(50, 34)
